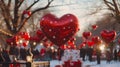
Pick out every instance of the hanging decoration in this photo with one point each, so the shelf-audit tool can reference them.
(26, 13)
(108, 36)
(86, 35)
(94, 27)
(96, 40)
(59, 30)
(90, 43)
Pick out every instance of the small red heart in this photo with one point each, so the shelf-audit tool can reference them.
(108, 36)
(96, 39)
(90, 43)
(94, 27)
(59, 30)
(86, 34)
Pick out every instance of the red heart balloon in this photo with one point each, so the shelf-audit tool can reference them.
(83, 44)
(59, 30)
(90, 43)
(94, 27)
(96, 39)
(86, 34)
(108, 36)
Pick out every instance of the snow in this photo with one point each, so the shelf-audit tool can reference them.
(90, 64)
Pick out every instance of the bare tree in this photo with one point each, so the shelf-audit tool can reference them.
(13, 19)
(114, 6)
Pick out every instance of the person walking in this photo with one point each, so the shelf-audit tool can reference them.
(98, 53)
(115, 55)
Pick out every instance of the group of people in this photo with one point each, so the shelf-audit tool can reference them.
(88, 53)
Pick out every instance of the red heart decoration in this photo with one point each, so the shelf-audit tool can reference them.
(59, 30)
(90, 43)
(108, 36)
(12, 41)
(94, 27)
(83, 44)
(86, 34)
(96, 39)
(63, 47)
(26, 13)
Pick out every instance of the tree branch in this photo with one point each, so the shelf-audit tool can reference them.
(39, 9)
(116, 7)
(20, 3)
(4, 14)
(32, 4)
(108, 4)
(9, 3)
(16, 17)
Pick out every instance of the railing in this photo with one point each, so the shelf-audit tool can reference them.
(41, 64)
(25, 64)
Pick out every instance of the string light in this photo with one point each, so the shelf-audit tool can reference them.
(41, 44)
(52, 47)
(34, 43)
(21, 41)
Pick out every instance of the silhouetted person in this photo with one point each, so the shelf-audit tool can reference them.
(90, 52)
(14, 51)
(108, 56)
(98, 53)
(118, 54)
(35, 53)
(1, 58)
(115, 55)
(23, 53)
(6, 58)
(82, 53)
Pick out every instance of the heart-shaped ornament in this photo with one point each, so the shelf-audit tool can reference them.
(86, 34)
(59, 30)
(108, 36)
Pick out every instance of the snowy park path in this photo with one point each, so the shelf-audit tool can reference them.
(90, 64)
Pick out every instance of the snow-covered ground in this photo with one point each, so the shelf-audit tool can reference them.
(91, 64)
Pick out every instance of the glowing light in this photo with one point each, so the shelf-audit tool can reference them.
(41, 44)
(27, 42)
(102, 47)
(55, 50)
(52, 48)
(34, 43)
(21, 41)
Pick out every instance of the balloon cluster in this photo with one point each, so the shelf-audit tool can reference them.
(89, 39)
(22, 38)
